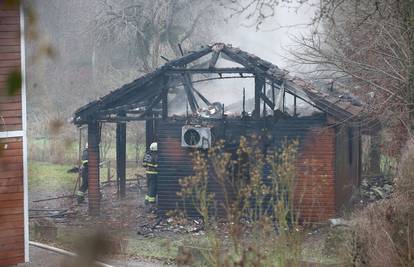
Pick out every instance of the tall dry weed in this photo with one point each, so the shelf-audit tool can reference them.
(250, 221)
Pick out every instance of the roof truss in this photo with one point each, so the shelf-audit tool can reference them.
(146, 93)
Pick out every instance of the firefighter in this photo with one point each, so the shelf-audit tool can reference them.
(84, 174)
(150, 162)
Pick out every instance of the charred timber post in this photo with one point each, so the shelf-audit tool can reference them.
(264, 100)
(294, 106)
(121, 156)
(273, 96)
(258, 85)
(165, 104)
(188, 87)
(93, 168)
(164, 99)
(149, 131)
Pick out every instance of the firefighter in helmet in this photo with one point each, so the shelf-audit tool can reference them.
(150, 163)
(80, 194)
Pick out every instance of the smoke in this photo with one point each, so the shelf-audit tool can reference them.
(272, 41)
(274, 38)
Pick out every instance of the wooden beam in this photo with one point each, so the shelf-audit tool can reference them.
(164, 99)
(189, 57)
(267, 101)
(205, 100)
(279, 100)
(164, 111)
(258, 85)
(150, 127)
(121, 156)
(214, 57)
(188, 87)
(294, 106)
(210, 70)
(93, 169)
(273, 97)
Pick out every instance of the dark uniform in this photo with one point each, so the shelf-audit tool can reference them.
(84, 174)
(150, 162)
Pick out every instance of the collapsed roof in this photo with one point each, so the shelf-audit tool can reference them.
(146, 92)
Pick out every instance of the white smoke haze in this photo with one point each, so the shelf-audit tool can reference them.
(272, 42)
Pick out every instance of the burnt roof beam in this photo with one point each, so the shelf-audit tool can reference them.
(209, 70)
(238, 59)
(189, 58)
(139, 97)
(88, 110)
(205, 100)
(188, 87)
(134, 103)
(214, 58)
(267, 100)
(117, 95)
(262, 67)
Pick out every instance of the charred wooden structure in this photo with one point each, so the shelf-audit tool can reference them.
(329, 157)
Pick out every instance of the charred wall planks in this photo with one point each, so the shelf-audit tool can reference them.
(316, 162)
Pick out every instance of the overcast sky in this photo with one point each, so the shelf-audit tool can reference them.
(273, 38)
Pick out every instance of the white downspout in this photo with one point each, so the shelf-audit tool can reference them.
(24, 126)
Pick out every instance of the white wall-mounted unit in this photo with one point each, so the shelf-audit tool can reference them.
(196, 137)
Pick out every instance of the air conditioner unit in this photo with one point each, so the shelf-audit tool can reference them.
(195, 137)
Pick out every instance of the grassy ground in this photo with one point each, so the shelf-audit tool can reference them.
(50, 177)
(57, 150)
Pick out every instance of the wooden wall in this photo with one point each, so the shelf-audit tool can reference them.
(10, 106)
(315, 193)
(11, 201)
(11, 149)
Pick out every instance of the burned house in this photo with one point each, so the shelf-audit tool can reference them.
(181, 118)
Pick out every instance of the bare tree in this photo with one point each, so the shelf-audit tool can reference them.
(364, 47)
(148, 30)
(257, 12)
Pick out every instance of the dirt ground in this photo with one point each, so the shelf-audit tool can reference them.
(134, 234)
